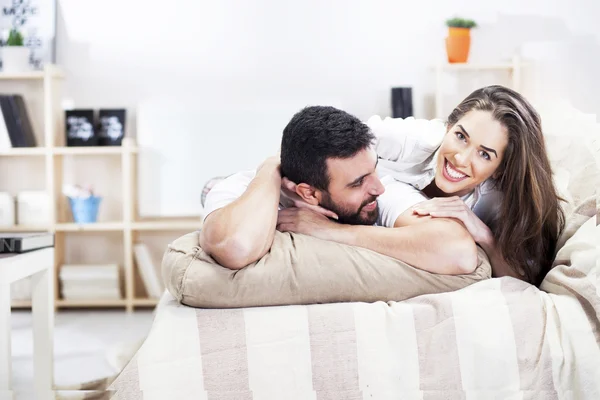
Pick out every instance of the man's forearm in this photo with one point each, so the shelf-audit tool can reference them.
(242, 232)
(439, 246)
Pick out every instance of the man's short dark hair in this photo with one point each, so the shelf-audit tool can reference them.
(315, 134)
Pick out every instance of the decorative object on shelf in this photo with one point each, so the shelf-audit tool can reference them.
(36, 19)
(80, 128)
(458, 42)
(84, 204)
(33, 208)
(111, 127)
(15, 56)
(402, 105)
(7, 209)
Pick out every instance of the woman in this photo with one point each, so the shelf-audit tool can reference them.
(492, 173)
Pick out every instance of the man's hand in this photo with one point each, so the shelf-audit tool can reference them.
(290, 198)
(307, 222)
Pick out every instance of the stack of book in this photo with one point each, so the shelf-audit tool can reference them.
(90, 282)
(15, 126)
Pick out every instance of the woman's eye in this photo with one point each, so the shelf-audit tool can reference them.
(460, 136)
(484, 155)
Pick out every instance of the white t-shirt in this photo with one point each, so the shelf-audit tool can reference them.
(397, 198)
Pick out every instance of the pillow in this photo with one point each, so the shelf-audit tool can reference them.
(300, 269)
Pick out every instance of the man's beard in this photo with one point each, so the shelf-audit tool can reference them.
(351, 217)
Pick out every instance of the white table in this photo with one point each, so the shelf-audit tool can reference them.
(39, 265)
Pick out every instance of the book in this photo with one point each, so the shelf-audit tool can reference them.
(149, 273)
(24, 242)
(14, 133)
(25, 122)
(5, 143)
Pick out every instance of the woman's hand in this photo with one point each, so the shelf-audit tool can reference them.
(454, 207)
(290, 198)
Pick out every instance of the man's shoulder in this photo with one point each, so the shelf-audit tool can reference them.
(396, 199)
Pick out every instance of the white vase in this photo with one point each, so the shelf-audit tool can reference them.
(15, 59)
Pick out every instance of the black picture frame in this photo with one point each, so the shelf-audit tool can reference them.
(111, 126)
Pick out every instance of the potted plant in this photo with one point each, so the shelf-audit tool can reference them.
(15, 56)
(458, 41)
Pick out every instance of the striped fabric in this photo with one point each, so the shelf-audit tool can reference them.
(497, 339)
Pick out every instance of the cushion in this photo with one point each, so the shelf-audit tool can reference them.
(300, 269)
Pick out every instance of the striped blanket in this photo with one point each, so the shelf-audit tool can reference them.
(497, 339)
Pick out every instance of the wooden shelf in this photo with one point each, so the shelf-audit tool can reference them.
(93, 227)
(53, 72)
(145, 302)
(168, 225)
(25, 228)
(24, 151)
(480, 67)
(56, 156)
(99, 303)
(93, 150)
(90, 303)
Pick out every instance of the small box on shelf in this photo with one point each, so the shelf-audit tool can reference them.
(33, 208)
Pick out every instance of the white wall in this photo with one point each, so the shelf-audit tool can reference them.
(228, 53)
(119, 51)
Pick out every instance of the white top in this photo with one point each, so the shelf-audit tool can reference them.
(408, 152)
(396, 199)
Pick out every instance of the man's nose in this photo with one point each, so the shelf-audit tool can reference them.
(377, 187)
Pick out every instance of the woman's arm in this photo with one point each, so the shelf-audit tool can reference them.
(441, 246)
(499, 266)
(454, 207)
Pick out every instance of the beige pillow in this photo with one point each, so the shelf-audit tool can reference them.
(301, 269)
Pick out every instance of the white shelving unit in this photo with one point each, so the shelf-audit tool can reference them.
(52, 152)
(514, 68)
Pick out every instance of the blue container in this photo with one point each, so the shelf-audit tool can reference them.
(85, 210)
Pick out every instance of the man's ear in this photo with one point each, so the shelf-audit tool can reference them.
(308, 193)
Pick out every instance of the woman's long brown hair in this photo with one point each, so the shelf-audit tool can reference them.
(530, 217)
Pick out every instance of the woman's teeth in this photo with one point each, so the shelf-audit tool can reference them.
(453, 173)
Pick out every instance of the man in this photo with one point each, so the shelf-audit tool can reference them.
(329, 154)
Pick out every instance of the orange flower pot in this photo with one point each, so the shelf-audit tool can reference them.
(458, 44)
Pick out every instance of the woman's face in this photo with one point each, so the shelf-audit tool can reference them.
(471, 152)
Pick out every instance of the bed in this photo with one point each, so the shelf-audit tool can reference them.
(499, 338)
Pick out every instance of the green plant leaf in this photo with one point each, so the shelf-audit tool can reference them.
(15, 38)
(457, 22)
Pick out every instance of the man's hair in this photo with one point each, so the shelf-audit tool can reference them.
(315, 134)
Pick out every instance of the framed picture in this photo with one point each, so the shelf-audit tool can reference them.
(80, 128)
(111, 127)
(36, 20)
